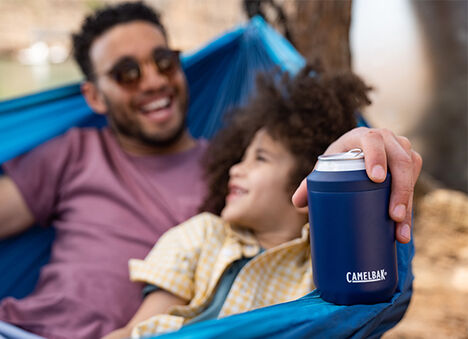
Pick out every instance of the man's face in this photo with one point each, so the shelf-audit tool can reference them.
(151, 112)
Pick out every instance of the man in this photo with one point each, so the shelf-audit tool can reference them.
(112, 193)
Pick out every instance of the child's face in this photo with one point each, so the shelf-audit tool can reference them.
(257, 190)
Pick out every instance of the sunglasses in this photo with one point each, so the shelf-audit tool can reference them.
(128, 72)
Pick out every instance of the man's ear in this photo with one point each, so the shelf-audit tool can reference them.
(94, 97)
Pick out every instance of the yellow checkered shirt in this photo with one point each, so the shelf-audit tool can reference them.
(189, 260)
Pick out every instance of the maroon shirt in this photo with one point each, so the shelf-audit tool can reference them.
(107, 206)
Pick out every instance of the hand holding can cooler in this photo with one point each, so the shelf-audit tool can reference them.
(352, 236)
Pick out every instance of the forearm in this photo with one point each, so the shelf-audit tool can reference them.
(15, 215)
(155, 303)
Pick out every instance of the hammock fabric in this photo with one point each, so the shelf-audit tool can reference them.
(221, 75)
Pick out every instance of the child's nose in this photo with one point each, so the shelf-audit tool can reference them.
(236, 170)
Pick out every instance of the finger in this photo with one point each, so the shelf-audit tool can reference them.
(375, 157)
(347, 141)
(352, 139)
(403, 229)
(415, 156)
(303, 210)
(405, 143)
(372, 144)
(402, 167)
(299, 198)
(418, 163)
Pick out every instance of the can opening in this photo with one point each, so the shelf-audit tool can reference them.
(353, 160)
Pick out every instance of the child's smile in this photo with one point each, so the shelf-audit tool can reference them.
(235, 191)
(257, 191)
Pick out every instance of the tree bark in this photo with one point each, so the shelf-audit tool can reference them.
(320, 30)
(443, 132)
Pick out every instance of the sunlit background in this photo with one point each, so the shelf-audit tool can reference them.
(387, 48)
(388, 52)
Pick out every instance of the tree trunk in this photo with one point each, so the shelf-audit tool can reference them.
(320, 30)
(443, 132)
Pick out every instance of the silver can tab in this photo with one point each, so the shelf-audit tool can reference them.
(353, 160)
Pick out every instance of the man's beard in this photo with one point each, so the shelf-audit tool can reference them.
(132, 129)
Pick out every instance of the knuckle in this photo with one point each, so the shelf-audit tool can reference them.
(373, 134)
(407, 190)
(404, 191)
(405, 160)
(418, 161)
(417, 158)
(405, 143)
(386, 132)
(402, 162)
(361, 130)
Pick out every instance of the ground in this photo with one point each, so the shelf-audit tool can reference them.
(439, 307)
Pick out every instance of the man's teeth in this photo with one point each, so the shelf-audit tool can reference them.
(157, 104)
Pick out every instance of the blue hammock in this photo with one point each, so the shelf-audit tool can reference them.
(220, 75)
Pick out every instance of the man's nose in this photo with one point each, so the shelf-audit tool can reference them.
(152, 78)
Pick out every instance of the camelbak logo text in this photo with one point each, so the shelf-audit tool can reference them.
(365, 277)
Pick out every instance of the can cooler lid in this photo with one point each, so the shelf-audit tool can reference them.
(353, 160)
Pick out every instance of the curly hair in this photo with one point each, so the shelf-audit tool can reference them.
(306, 113)
(104, 19)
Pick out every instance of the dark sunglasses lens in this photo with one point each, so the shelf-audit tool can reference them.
(127, 73)
(166, 60)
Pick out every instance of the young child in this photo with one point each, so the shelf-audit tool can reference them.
(252, 250)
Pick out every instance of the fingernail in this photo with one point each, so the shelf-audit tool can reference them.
(378, 172)
(400, 212)
(405, 232)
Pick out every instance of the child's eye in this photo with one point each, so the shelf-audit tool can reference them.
(260, 158)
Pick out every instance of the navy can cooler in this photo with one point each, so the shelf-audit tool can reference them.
(352, 236)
